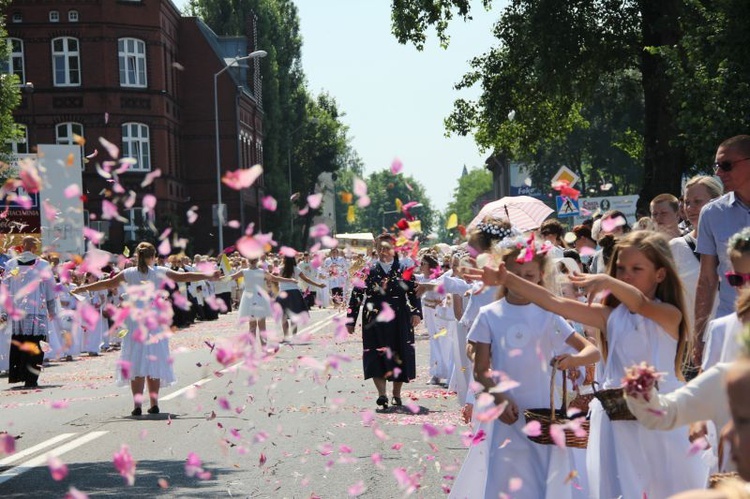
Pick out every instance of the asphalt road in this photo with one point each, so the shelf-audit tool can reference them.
(299, 423)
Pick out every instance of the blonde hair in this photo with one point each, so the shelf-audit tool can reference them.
(482, 237)
(655, 248)
(512, 255)
(143, 252)
(714, 187)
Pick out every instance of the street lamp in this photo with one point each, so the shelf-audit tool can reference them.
(219, 214)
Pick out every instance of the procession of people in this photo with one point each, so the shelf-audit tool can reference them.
(593, 360)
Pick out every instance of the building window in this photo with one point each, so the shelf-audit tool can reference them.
(64, 133)
(73, 16)
(15, 63)
(136, 221)
(21, 144)
(132, 57)
(66, 62)
(17, 17)
(54, 16)
(135, 144)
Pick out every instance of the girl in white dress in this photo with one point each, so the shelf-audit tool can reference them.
(144, 358)
(518, 339)
(641, 319)
(255, 303)
(440, 347)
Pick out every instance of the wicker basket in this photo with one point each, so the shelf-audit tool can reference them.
(549, 416)
(613, 401)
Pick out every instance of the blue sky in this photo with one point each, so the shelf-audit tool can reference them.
(395, 98)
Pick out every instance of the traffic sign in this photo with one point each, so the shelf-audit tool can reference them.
(565, 174)
(567, 207)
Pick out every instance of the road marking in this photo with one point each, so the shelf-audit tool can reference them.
(42, 460)
(179, 392)
(31, 450)
(309, 330)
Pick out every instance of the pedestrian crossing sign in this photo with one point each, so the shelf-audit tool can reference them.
(567, 207)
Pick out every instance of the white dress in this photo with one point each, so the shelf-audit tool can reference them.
(461, 376)
(255, 302)
(625, 459)
(722, 340)
(94, 337)
(145, 348)
(523, 339)
(440, 346)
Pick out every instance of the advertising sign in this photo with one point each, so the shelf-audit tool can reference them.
(590, 206)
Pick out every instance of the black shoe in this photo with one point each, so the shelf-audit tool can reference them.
(382, 401)
(154, 409)
(397, 401)
(31, 384)
(137, 412)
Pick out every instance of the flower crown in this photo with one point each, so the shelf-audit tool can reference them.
(495, 230)
(528, 246)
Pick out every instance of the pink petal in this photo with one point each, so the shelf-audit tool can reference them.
(697, 446)
(396, 166)
(192, 215)
(92, 235)
(533, 429)
(314, 200)
(269, 203)
(243, 178)
(357, 489)
(112, 150)
(329, 242)
(515, 484)
(109, 211)
(287, 251)
(125, 464)
(557, 434)
(59, 404)
(149, 178)
(363, 201)
(235, 224)
(360, 187)
(250, 248)
(386, 313)
(30, 178)
(165, 248)
(72, 191)
(149, 203)
(320, 230)
(610, 224)
(50, 212)
(7, 443)
(74, 493)
(57, 468)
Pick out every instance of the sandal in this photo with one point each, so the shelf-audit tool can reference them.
(382, 401)
(397, 401)
(154, 409)
(137, 412)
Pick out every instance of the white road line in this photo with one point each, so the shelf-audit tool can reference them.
(179, 392)
(42, 460)
(309, 330)
(36, 448)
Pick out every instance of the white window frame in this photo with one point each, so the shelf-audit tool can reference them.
(15, 56)
(73, 16)
(70, 59)
(54, 16)
(20, 146)
(131, 228)
(136, 144)
(17, 17)
(68, 128)
(131, 56)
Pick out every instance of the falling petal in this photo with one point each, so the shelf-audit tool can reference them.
(557, 434)
(319, 230)
(512, 115)
(452, 222)
(57, 468)
(149, 178)
(610, 224)
(527, 182)
(363, 202)
(532, 429)
(112, 150)
(515, 484)
(396, 166)
(149, 203)
(192, 215)
(242, 178)
(314, 201)
(72, 191)
(351, 215)
(357, 489)
(269, 203)
(125, 464)
(360, 187)
(386, 313)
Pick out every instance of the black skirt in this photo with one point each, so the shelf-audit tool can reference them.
(292, 302)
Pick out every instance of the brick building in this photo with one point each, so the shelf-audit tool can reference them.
(140, 75)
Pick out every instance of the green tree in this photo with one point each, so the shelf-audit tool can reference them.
(384, 189)
(471, 186)
(550, 63)
(10, 96)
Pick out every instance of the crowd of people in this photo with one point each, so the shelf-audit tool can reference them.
(504, 311)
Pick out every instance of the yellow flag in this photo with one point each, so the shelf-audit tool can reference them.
(452, 222)
(126, 252)
(225, 266)
(350, 215)
(399, 204)
(416, 225)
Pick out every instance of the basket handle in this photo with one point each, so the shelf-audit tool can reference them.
(553, 414)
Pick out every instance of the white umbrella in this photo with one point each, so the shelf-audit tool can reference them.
(524, 212)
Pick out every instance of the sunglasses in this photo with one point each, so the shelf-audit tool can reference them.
(726, 166)
(737, 279)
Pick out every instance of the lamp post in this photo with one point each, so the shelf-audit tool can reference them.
(219, 214)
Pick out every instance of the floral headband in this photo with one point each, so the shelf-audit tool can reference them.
(529, 247)
(495, 230)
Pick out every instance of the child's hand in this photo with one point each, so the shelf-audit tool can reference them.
(510, 414)
(466, 412)
(488, 275)
(592, 284)
(563, 362)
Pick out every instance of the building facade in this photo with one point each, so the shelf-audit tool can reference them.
(141, 76)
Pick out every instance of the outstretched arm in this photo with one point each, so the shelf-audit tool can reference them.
(110, 283)
(193, 276)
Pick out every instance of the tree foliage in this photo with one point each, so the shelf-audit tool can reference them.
(471, 187)
(10, 96)
(602, 85)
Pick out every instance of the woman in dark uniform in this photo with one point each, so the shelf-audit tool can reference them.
(388, 345)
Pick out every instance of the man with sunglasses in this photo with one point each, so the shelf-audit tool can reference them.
(719, 220)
